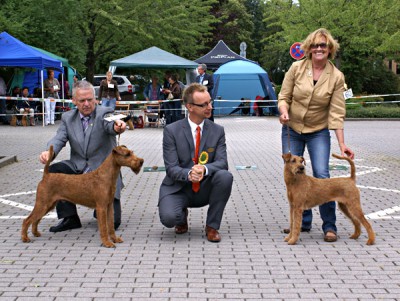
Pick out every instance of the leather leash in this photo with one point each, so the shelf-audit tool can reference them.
(288, 136)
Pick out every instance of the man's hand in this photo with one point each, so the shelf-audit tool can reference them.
(44, 157)
(197, 173)
(119, 126)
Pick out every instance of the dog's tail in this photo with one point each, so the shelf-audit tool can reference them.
(51, 157)
(353, 167)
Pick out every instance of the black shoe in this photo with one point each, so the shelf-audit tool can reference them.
(67, 223)
(287, 231)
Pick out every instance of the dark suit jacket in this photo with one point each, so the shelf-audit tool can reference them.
(92, 148)
(178, 153)
(209, 79)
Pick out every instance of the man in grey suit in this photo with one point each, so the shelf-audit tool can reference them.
(91, 139)
(211, 170)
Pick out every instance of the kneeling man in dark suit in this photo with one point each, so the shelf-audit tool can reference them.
(195, 159)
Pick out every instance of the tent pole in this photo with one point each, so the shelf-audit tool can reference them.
(41, 74)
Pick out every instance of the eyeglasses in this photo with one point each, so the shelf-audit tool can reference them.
(322, 45)
(204, 105)
(82, 101)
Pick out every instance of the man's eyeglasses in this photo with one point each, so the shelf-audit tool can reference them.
(204, 105)
(82, 101)
(322, 45)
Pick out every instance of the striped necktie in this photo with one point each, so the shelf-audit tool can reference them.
(85, 123)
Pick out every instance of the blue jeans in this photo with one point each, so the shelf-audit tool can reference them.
(108, 102)
(319, 147)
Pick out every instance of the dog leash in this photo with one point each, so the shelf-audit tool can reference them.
(288, 136)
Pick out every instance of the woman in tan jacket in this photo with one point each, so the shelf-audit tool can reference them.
(311, 103)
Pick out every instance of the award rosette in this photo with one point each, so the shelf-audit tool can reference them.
(203, 158)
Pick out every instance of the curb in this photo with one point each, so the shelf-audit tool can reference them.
(7, 160)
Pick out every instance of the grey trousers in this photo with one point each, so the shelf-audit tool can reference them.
(214, 191)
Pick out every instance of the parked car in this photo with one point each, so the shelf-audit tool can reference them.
(125, 87)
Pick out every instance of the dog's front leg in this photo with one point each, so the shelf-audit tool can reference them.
(110, 223)
(287, 238)
(295, 225)
(102, 222)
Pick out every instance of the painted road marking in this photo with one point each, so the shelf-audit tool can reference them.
(382, 214)
(21, 206)
(385, 214)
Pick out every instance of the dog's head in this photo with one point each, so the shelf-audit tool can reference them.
(126, 157)
(295, 164)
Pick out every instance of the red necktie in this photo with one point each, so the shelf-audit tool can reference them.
(196, 186)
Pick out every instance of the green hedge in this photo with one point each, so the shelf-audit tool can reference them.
(389, 110)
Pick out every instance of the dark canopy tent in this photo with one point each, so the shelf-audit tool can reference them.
(219, 55)
(155, 58)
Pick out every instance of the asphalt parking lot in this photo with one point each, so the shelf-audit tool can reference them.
(252, 262)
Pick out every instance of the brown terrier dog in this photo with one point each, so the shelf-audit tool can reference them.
(94, 190)
(305, 192)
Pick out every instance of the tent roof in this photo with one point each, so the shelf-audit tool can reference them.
(219, 55)
(240, 67)
(52, 55)
(154, 57)
(14, 53)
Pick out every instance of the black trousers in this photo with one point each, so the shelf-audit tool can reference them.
(68, 209)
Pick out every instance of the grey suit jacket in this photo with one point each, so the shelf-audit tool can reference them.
(178, 153)
(92, 148)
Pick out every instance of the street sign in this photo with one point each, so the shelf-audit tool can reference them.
(243, 47)
(296, 52)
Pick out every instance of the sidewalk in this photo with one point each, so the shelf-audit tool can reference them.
(252, 262)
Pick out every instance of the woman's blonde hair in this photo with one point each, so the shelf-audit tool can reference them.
(312, 38)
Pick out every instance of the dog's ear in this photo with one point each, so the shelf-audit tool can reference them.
(286, 157)
(122, 150)
(303, 161)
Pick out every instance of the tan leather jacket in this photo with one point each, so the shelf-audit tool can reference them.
(313, 108)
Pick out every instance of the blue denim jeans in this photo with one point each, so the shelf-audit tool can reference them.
(319, 147)
(108, 102)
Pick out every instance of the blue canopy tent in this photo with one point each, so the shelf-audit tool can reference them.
(31, 78)
(240, 79)
(14, 53)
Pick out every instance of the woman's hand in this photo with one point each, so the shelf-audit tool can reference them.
(284, 115)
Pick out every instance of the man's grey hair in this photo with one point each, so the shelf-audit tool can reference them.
(203, 66)
(82, 85)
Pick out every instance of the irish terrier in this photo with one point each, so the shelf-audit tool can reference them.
(94, 190)
(305, 192)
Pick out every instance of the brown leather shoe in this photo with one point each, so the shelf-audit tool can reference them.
(212, 234)
(181, 229)
(330, 236)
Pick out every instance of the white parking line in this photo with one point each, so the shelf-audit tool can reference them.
(385, 214)
(21, 206)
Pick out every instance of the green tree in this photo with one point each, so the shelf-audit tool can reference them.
(363, 29)
(92, 33)
(233, 24)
